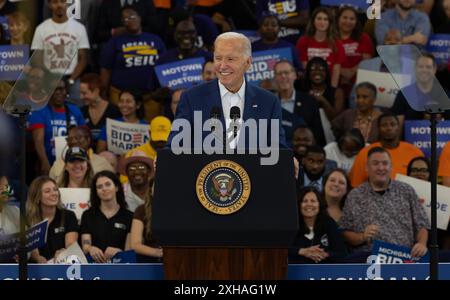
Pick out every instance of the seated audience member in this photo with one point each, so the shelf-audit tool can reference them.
(297, 107)
(208, 72)
(130, 107)
(269, 29)
(139, 170)
(142, 241)
(9, 214)
(80, 137)
(313, 168)
(384, 209)
(77, 171)
(320, 41)
(444, 165)
(44, 202)
(357, 45)
(400, 152)
(105, 226)
(363, 117)
(128, 59)
(95, 109)
(336, 187)
(50, 122)
(318, 239)
(419, 167)
(345, 150)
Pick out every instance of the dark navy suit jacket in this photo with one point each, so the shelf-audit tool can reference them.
(258, 104)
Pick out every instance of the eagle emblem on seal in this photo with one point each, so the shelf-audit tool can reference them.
(224, 186)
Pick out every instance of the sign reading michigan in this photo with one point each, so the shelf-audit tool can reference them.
(223, 187)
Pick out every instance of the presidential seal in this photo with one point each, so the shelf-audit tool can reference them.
(223, 187)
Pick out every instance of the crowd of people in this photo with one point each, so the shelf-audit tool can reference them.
(349, 148)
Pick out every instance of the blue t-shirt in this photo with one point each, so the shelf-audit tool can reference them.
(283, 9)
(54, 124)
(206, 30)
(104, 137)
(131, 59)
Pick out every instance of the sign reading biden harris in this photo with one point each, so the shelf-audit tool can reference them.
(122, 137)
(181, 74)
(264, 62)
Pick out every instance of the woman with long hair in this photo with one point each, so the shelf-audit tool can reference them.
(44, 202)
(106, 225)
(318, 239)
(320, 40)
(77, 172)
(336, 187)
(142, 241)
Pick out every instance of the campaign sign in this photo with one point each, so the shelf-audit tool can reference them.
(263, 63)
(393, 254)
(75, 199)
(12, 61)
(122, 137)
(423, 191)
(417, 132)
(439, 46)
(181, 74)
(36, 238)
(387, 87)
(361, 4)
(252, 35)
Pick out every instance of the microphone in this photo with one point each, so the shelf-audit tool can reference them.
(214, 116)
(235, 114)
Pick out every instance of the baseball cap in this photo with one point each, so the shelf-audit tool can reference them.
(160, 129)
(76, 153)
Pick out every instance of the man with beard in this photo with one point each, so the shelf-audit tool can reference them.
(383, 209)
(312, 168)
(139, 169)
(50, 122)
(414, 25)
(400, 152)
(61, 44)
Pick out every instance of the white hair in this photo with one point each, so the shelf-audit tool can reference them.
(236, 36)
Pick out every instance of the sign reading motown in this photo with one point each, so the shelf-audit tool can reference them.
(223, 187)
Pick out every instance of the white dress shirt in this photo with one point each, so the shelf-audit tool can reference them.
(229, 100)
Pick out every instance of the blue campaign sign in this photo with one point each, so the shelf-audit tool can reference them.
(181, 74)
(36, 238)
(439, 46)
(361, 4)
(252, 35)
(393, 254)
(417, 132)
(12, 61)
(263, 63)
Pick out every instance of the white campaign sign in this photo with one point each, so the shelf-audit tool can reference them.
(387, 88)
(423, 190)
(75, 199)
(60, 147)
(122, 137)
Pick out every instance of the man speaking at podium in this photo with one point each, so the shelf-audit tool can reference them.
(230, 101)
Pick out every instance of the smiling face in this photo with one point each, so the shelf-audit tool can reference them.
(127, 105)
(269, 28)
(310, 205)
(347, 21)
(49, 194)
(321, 22)
(131, 21)
(77, 169)
(425, 70)
(87, 95)
(419, 169)
(284, 76)
(106, 189)
(379, 168)
(318, 73)
(231, 62)
(138, 173)
(336, 185)
(17, 28)
(185, 35)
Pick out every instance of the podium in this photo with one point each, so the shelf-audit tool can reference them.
(224, 217)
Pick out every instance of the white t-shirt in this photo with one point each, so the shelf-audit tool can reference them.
(60, 42)
(332, 151)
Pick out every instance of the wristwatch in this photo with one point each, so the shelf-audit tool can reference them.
(71, 81)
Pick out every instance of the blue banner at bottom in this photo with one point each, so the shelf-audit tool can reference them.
(295, 272)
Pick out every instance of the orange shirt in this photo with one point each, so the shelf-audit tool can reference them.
(206, 3)
(162, 3)
(444, 161)
(401, 156)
